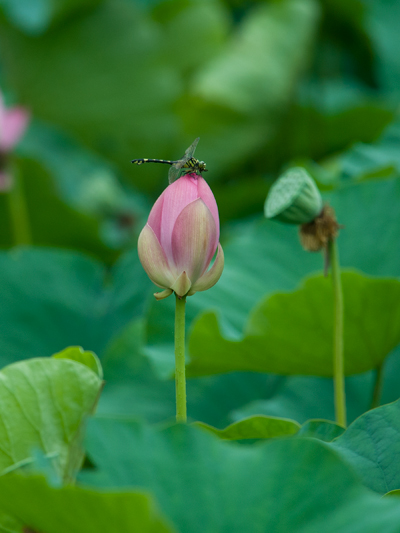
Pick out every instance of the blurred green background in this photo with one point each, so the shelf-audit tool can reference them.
(266, 85)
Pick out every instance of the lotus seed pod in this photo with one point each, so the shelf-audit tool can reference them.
(293, 198)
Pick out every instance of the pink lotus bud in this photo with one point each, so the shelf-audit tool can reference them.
(178, 242)
(13, 123)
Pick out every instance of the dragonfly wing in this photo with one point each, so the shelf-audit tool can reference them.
(190, 151)
(174, 172)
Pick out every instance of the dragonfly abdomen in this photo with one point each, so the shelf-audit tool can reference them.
(164, 161)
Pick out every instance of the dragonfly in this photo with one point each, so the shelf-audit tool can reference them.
(186, 165)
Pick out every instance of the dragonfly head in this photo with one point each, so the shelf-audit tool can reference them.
(202, 166)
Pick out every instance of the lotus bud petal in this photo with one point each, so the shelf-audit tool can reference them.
(182, 285)
(294, 198)
(194, 238)
(163, 294)
(153, 258)
(210, 278)
(181, 237)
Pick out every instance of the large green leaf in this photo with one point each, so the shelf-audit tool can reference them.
(52, 299)
(292, 333)
(371, 445)
(267, 427)
(198, 480)
(45, 403)
(320, 429)
(63, 510)
(60, 428)
(89, 359)
(255, 427)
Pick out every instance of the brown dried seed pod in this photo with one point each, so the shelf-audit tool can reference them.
(315, 235)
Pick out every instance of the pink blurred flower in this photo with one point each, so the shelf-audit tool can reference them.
(180, 239)
(13, 123)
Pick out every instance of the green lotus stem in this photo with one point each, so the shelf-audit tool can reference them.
(338, 359)
(376, 395)
(19, 212)
(180, 378)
